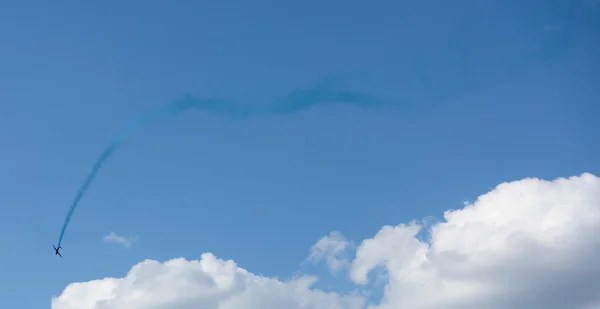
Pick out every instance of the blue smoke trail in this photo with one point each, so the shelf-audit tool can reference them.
(297, 101)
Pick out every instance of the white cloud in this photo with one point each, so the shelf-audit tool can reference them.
(528, 244)
(332, 248)
(126, 242)
(209, 283)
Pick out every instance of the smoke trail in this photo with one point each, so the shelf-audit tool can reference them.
(297, 101)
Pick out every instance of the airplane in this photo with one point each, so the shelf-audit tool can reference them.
(56, 250)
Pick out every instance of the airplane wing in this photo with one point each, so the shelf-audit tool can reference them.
(59, 254)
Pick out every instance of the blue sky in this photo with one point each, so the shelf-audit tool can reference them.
(483, 92)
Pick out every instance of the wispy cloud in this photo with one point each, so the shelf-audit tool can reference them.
(333, 248)
(124, 241)
(553, 27)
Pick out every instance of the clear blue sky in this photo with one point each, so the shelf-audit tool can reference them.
(485, 92)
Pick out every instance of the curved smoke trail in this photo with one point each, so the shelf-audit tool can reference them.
(297, 101)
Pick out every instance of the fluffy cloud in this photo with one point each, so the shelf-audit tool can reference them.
(126, 242)
(209, 283)
(525, 244)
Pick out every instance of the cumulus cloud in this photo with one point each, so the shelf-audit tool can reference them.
(332, 248)
(528, 244)
(124, 241)
(210, 283)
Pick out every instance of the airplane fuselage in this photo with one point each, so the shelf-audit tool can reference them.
(56, 251)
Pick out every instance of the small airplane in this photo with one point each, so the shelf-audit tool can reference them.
(56, 250)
